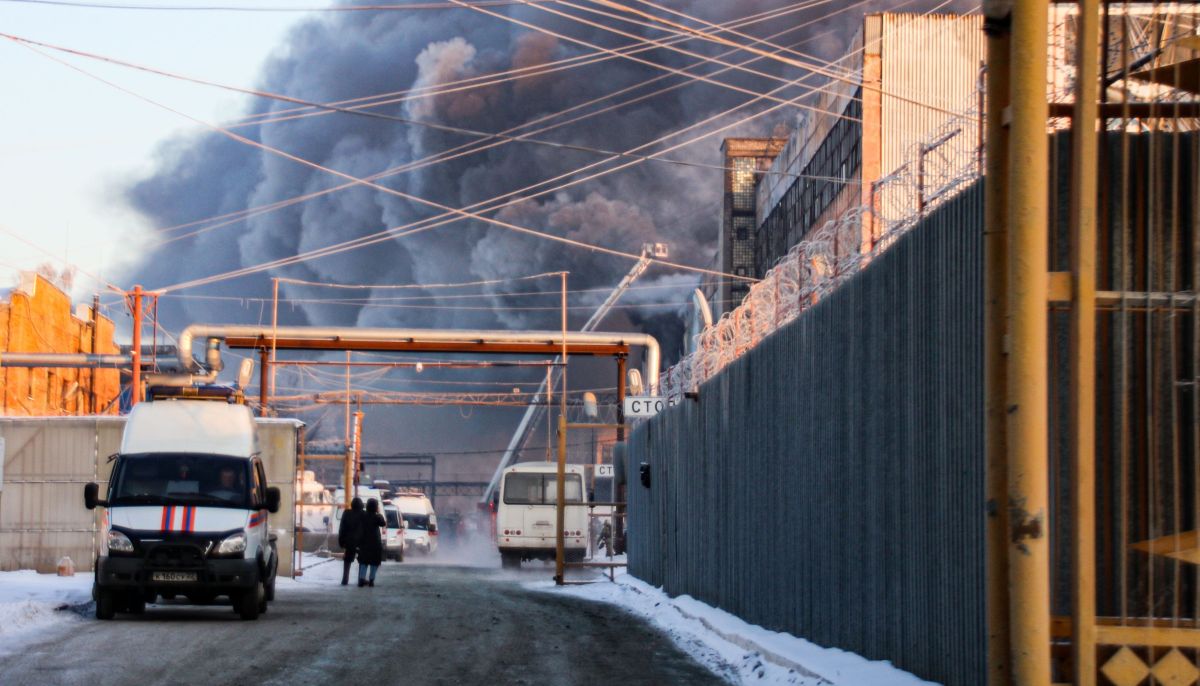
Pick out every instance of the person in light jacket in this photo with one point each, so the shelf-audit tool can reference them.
(370, 548)
(350, 533)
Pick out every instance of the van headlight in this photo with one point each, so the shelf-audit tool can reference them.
(232, 544)
(119, 542)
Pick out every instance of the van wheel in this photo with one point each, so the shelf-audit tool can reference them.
(262, 601)
(269, 590)
(106, 604)
(248, 604)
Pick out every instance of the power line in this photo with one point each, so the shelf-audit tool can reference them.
(593, 57)
(460, 213)
(253, 8)
(468, 149)
(445, 128)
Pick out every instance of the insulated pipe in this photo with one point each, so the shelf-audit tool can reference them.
(71, 360)
(218, 332)
(1028, 411)
(179, 380)
(997, 26)
(1085, 136)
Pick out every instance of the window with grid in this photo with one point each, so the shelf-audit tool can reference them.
(742, 178)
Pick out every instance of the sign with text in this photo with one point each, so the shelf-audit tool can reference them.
(643, 406)
(603, 470)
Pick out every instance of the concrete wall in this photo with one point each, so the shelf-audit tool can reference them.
(47, 461)
(38, 318)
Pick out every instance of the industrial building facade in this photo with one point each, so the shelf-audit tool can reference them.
(38, 319)
(860, 130)
(744, 159)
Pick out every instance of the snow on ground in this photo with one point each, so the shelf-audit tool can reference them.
(32, 603)
(742, 653)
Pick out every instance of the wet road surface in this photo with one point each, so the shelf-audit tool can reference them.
(420, 625)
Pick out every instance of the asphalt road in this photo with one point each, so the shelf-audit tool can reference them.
(419, 625)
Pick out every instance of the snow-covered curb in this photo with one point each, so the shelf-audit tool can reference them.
(32, 603)
(740, 652)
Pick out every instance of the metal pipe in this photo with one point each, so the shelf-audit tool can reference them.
(93, 401)
(135, 388)
(1028, 398)
(1084, 163)
(179, 380)
(560, 503)
(57, 360)
(263, 372)
(217, 332)
(998, 28)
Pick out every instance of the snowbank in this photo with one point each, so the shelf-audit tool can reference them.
(741, 652)
(31, 603)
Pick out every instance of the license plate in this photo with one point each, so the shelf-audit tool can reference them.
(173, 576)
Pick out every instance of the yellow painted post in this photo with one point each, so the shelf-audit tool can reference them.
(560, 503)
(1028, 400)
(995, 258)
(348, 477)
(1084, 143)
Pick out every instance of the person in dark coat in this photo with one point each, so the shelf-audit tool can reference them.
(370, 549)
(350, 534)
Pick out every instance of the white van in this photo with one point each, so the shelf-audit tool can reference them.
(420, 521)
(393, 545)
(186, 511)
(526, 512)
(317, 505)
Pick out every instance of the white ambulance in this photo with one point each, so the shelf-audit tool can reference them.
(186, 511)
(420, 521)
(526, 512)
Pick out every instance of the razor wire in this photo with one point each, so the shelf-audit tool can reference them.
(937, 168)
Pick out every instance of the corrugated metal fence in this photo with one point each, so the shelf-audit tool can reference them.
(830, 483)
(47, 460)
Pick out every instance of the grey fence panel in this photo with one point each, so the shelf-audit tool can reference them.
(829, 483)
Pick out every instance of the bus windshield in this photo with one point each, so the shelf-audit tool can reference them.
(182, 479)
(527, 488)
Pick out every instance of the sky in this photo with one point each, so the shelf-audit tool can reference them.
(70, 143)
(90, 171)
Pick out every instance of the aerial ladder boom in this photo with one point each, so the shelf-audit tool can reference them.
(650, 251)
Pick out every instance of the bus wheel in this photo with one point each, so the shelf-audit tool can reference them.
(510, 561)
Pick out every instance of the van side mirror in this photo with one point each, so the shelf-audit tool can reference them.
(91, 496)
(272, 500)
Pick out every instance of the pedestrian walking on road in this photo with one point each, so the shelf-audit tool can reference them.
(350, 533)
(370, 549)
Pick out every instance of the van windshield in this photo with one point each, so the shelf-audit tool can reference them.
(393, 519)
(417, 522)
(525, 488)
(174, 479)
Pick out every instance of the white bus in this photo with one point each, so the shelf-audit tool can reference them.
(525, 514)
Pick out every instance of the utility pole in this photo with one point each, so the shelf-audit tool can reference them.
(135, 390)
